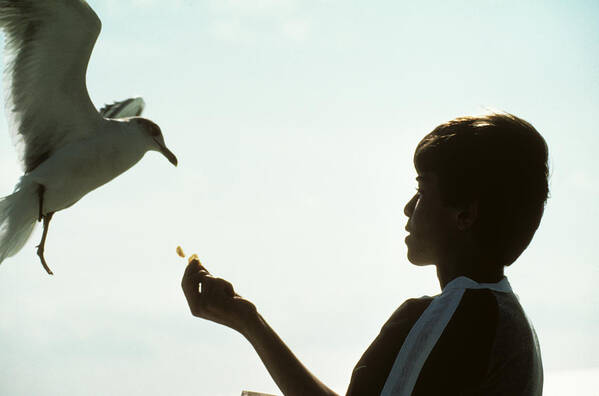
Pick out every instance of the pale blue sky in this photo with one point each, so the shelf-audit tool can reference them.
(294, 123)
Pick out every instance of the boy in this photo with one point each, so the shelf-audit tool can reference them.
(482, 191)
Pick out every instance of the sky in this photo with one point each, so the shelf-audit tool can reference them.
(295, 124)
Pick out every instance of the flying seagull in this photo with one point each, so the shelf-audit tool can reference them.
(66, 147)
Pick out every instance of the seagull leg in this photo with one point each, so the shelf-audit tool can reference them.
(40, 247)
(40, 193)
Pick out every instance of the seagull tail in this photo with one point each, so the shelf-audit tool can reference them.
(18, 213)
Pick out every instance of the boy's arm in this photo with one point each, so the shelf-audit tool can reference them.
(214, 299)
(289, 373)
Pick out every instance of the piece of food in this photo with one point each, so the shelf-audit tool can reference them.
(191, 258)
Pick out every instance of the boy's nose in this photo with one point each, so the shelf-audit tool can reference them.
(409, 208)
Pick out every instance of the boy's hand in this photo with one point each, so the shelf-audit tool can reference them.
(215, 299)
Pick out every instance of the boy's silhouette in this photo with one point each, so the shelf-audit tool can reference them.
(482, 191)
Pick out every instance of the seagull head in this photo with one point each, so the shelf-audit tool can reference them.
(154, 137)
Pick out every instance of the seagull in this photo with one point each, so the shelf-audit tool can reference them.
(66, 147)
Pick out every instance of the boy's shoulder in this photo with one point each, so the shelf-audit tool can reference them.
(412, 307)
(404, 317)
(473, 302)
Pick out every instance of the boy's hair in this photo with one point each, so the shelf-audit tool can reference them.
(499, 161)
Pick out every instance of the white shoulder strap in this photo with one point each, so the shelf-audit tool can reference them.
(426, 332)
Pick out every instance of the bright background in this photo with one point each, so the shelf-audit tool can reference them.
(295, 123)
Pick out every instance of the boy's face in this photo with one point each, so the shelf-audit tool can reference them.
(431, 224)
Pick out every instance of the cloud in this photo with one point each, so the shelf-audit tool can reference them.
(230, 29)
(118, 6)
(574, 382)
(255, 7)
(246, 21)
(583, 181)
(258, 20)
(297, 29)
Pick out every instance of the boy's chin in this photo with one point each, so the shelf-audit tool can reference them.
(419, 259)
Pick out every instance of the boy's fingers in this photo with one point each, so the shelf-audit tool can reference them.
(194, 266)
(196, 261)
(192, 276)
(195, 288)
(228, 288)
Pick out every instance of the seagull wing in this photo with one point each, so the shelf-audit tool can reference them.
(132, 107)
(48, 45)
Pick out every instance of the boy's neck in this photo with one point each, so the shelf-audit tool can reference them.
(477, 271)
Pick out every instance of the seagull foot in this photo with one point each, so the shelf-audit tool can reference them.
(40, 247)
(40, 253)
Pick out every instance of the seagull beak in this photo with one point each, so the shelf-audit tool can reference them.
(167, 153)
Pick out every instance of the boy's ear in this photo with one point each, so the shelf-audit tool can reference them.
(467, 216)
